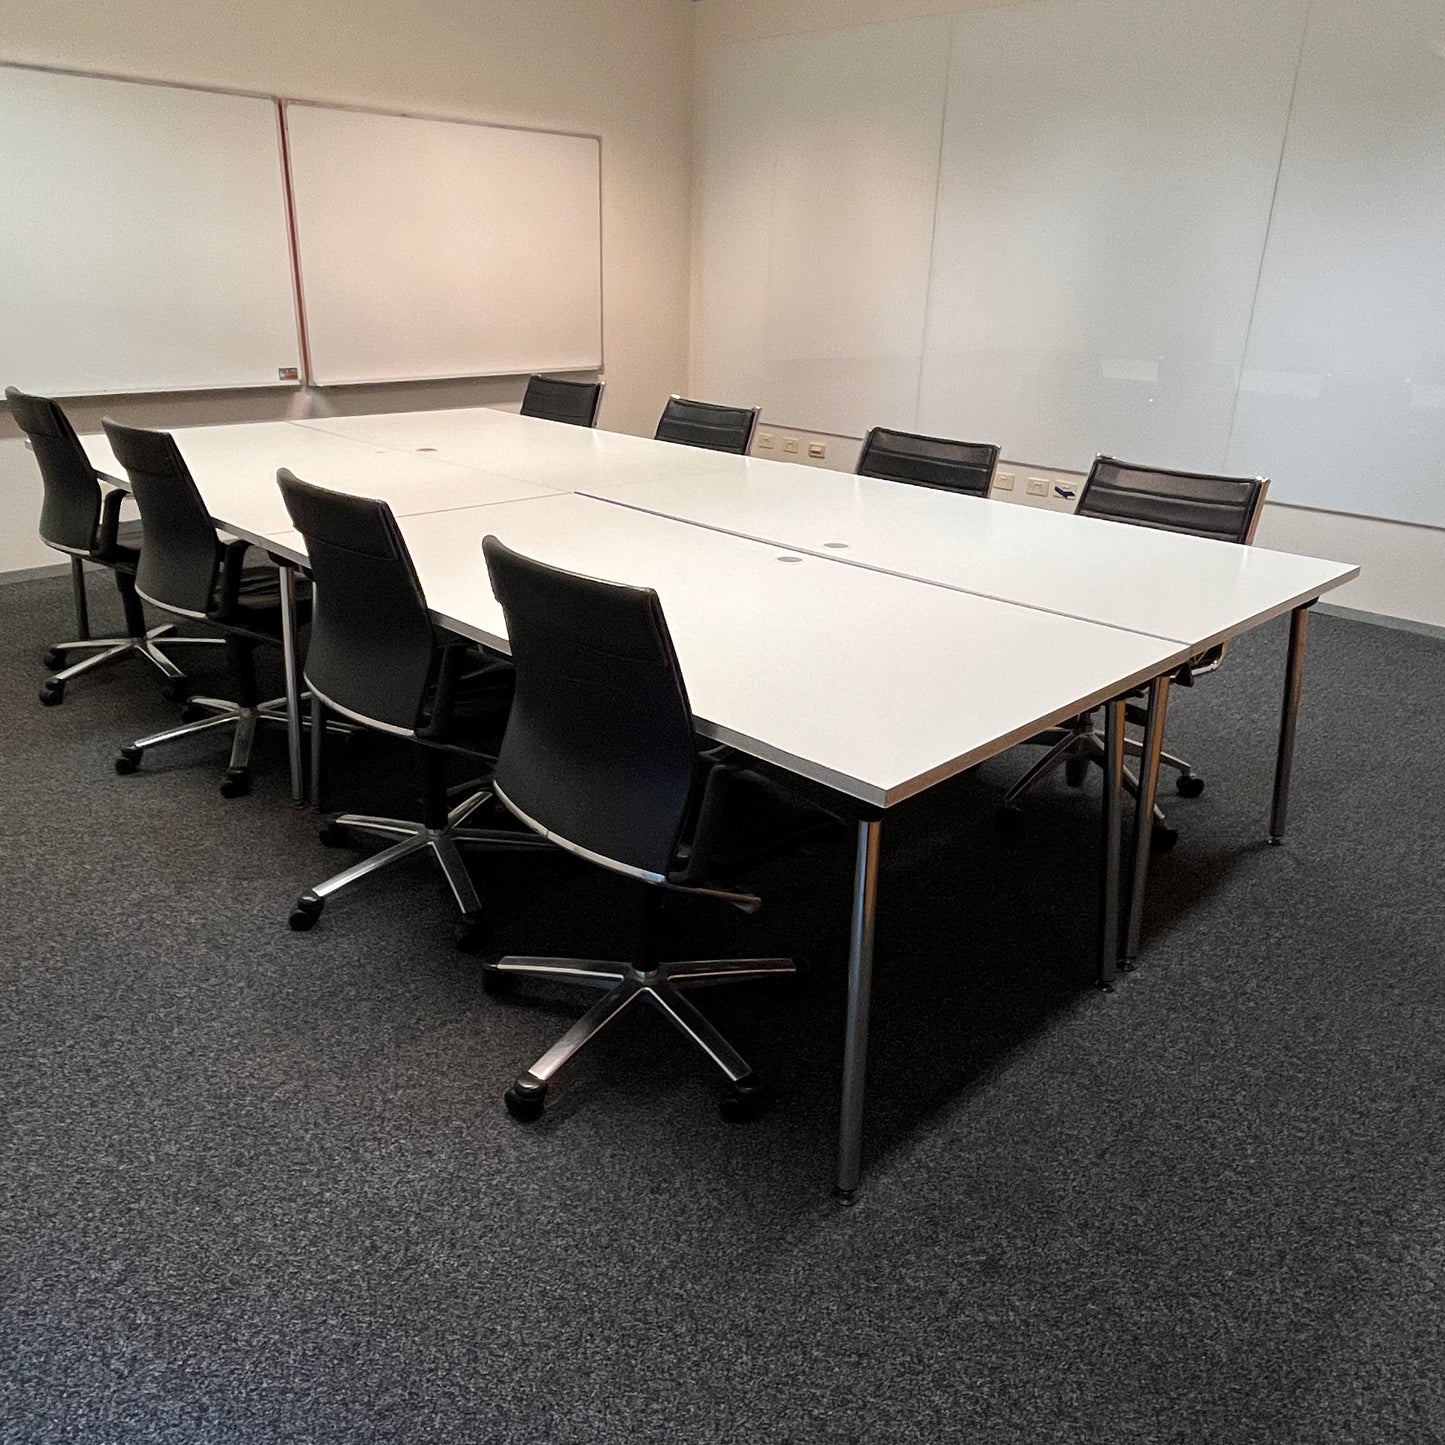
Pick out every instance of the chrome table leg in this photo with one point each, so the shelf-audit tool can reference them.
(860, 986)
(1288, 716)
(1111, 884)
(1144, 812)
(292, 664)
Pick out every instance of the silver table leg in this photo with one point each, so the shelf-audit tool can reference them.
(293, 679)
(860, 987)
(1288, 716)
(1144, 812)
(1111, 885)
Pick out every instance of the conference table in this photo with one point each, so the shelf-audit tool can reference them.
(816, 637)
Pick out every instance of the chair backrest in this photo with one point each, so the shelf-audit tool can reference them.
(599, 751)
(554, 398)
(181, 556)
(1200, 504)
(900, 456)
(70, 512)
(372, 651)
(701, 424)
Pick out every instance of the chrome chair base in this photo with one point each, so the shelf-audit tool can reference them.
(1075, 749)
(664, 988)
(444, 843)
(105, 650)
(221, 712)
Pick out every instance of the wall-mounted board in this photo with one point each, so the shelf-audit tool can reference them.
(143, 238)
(430, 248)
(821, 158)
(1342, 397)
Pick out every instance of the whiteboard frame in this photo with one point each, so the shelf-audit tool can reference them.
(305, 378)
(302, 378)
(284, 102)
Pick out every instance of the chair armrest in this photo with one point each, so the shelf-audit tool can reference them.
(233, 565)
(109, 523)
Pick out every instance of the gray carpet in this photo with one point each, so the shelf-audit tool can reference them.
(260, 1187)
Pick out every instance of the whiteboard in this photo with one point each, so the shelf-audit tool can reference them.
(1103, 201)
(430, 248)
(820, 161)
(1343, 393)
(143, 238)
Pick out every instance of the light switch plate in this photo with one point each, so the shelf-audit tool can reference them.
(790, 444)
(1003, 481)
(817, 449)
(1038, 486)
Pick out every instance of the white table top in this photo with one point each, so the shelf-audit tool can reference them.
(235, 469)
(871, 684)
(1178, 587)
(547, 453)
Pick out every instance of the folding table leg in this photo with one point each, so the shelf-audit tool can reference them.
(860, 985)
(1144, 812)
(1288, 716)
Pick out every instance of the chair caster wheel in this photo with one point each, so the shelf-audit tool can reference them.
(1009, 820)
(237, 784)
(525, 1100)
(178, 689)
(1190, 785)
(471, 933)
(1075, 771)
(53, 658)
(495, 983)
(330, 836)
(743, 1100)
(52, 694)
(307, 911)
(127, 760)
(1162, 838)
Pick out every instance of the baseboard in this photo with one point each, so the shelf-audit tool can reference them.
(1399, 624)
(35, 574)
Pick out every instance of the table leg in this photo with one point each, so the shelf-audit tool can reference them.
(1288, 716)
(860, 986)
(292, 662)
(1144, 813)
(1111, 884)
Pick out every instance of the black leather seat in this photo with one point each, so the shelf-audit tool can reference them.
(82, 519)
(950, 466)
(703, 424)
(601, 758)
(555, 398)
(1197, 504)
(186, 569)
(376, 658)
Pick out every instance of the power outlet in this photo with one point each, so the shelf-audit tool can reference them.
(1038, 486)
(818, 449)
(1003, 481)
(765, 441)
(790, 444)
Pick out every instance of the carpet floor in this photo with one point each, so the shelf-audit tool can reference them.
(258, 1186)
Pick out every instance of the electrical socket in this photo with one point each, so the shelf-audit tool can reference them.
(1038, 486)
(766, 440)
(790, 444)
(1003, 481)
(817, 449)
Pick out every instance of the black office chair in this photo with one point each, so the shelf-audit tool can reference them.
(600, 757)
(554, 398)
(701, 424)
(376, 657)
(186, 569)
(78, 517)
(950, 466)
(1198, 504)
